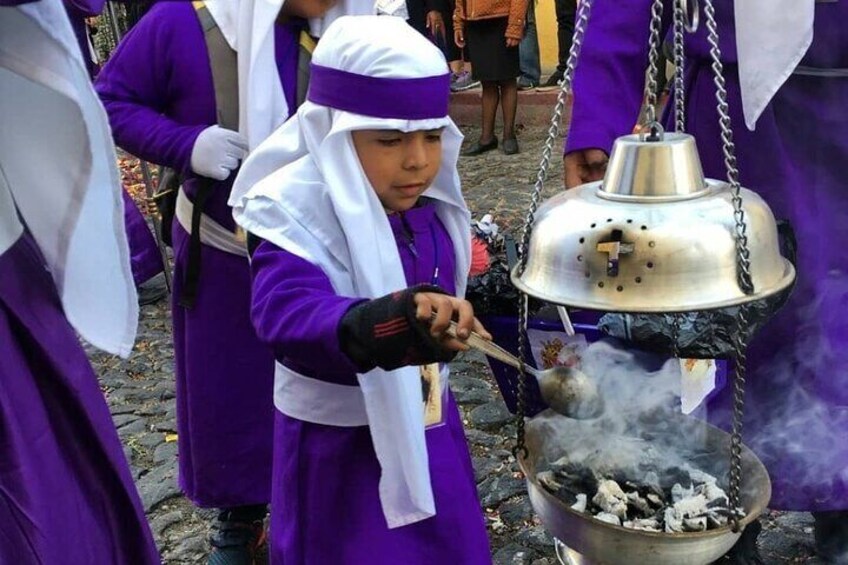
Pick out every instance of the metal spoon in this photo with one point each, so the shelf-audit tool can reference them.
(565, 390)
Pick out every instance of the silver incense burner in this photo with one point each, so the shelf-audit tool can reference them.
(653, 236)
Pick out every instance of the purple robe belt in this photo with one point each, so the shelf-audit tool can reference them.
(388, 98)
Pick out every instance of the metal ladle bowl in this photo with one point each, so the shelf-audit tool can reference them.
(599, 543)
(565, 390)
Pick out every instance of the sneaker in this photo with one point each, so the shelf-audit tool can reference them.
(526, 84)
(462, 81)
(238, 543)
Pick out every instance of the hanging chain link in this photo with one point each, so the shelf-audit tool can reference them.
(653, 59)
(743, 264)
(679, 66)
(743, 258)
(583, 12)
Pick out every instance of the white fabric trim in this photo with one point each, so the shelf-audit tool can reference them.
(212, 233)
(772, 36)
(248, 27)
(320, 402)
(11, 227)
(59, 161)
(304, 190)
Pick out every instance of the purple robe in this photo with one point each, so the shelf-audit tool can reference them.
(66, 492)
(797, 396)
(145, 258)
(326, 506)
(157, 89)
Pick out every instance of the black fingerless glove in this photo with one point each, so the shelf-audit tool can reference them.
(385, 333)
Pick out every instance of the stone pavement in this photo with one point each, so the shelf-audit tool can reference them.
(140, 392)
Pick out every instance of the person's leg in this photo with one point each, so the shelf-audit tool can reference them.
(487, 140)
(509, 106)
(566, 11)
(491, 97)
(528, 53)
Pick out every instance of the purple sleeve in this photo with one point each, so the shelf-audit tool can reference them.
(134, 88)
(85, 8)
(296, 311)
(610, 76)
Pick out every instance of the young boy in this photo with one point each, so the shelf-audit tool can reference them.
(364, 233)
(171, 104)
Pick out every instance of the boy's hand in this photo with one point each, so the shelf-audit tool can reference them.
(510, 42)
(441, 309)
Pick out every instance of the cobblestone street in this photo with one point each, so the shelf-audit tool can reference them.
(140, 392)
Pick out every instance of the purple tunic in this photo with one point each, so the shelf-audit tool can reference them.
(145, 258)
(66, 493)
(157, 89)
(797, 401)
(326, 506)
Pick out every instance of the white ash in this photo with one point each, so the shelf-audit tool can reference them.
(645, 505)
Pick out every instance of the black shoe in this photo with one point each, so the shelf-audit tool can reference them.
(477, 148)
(553, 80)
(151, 292)
(745, 552)
(510, 146)
(239, 539)
(831, 535)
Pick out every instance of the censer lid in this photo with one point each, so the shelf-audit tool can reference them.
(653, 236)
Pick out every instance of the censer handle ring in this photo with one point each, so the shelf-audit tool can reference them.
(652, 132)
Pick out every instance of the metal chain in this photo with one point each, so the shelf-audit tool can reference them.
(580, 24)
(679, 66)
(743, 259)
(739, 375)
(653, 58)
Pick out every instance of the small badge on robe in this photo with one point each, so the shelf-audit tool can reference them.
(697, 381)
(431, 390)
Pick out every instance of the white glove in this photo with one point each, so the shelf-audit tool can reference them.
(217, 152)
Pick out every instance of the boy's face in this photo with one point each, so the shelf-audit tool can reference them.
(306, 8)
(400, 166)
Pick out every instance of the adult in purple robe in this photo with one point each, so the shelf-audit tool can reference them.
(66, 491)
(796, 414)
(158, 91)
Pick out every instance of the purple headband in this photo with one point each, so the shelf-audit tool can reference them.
(392, 98)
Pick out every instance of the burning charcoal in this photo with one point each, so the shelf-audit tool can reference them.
(549, 481)
(674, 475)
(608, 518)
(679, 493)
(578, 478)
(695, 524)
(580, 505)
(673, 521)
(646, 525)
(692, 506)
(638, 505)
(655, 500)
(714, 494)
(610, 498)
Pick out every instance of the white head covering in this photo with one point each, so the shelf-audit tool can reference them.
(317, 26)
(304, 189)
(248, 27)
(58, 164)
(772, 37)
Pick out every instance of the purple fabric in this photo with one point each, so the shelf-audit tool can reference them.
(77, 11)
(325, 504)
(325, 507)
(797, 401)
(145, 258)
(157, 89)
(225, 384)
(297, 312)
(379, 97)
(66, 493)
